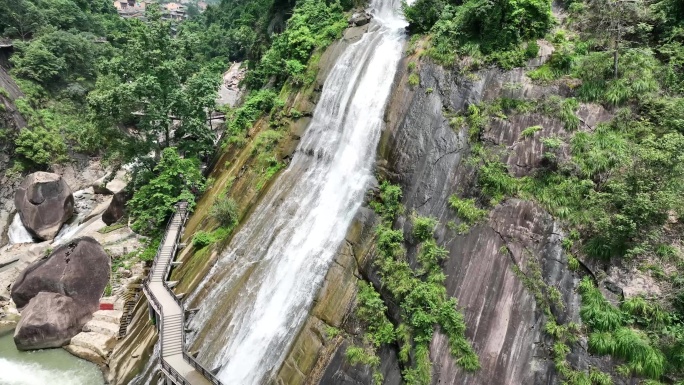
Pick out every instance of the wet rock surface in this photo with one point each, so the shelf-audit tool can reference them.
(49, 320)
(360, 18)
(78, 269)
(45, 202)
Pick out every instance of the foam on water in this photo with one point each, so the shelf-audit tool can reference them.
(44, 367)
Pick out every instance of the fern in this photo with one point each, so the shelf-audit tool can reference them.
(530, 131)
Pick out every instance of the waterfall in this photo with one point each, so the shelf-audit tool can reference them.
(259, 292)
(17, 233)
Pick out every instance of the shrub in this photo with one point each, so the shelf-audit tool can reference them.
(389, 203)
(420, 293)
(466, 209)
(563, 109)
(430, 256)
(495, 182)
(530, 131)
(413, 80)
(40, 147)
(356, 355)
(150, 251)
(371, 310)
(257, 103)
(266, 141)
(202, 239)
(423, 227)
(225, 210)
(173, 179)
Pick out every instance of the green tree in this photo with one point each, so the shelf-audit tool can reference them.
(612, 22)
(36, 62)
(20, 18)
(58, 57)
(172, 179)
(151, 87)
(423, 14)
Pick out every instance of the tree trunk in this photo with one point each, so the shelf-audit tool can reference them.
(616, 54)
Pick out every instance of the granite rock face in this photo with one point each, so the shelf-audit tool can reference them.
(519, 240)
(49, 320)
(79, 269)
(45, 203)
(487, 267)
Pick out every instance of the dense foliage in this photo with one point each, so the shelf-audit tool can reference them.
(314, 24)
(173, 179)
(420, 294)
(126, 89)
(616, 187)
(500, 31)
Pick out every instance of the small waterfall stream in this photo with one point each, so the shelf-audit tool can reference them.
(17, 233)
(260, 290)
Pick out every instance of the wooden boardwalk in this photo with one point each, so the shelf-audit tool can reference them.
(178, 366)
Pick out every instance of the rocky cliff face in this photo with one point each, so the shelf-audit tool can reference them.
(10, 119)
(496, 268)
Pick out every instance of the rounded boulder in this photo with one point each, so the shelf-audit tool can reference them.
(45, 203)
(78, 269)
(49, 320)
(116, 208)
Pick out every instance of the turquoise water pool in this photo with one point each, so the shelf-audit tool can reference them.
(44, 367)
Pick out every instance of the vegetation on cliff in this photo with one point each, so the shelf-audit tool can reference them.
(616, 188)
(419, 292)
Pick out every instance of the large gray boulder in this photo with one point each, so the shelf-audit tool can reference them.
(49, 320)
(116, 208)
(44, 202)
(79, 269)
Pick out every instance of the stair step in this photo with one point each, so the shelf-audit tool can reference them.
(113, 316)
(99, 343)
(102, 327)
(86, 354)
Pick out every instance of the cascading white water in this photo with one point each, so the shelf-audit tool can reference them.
(17, 233)
(259, 292)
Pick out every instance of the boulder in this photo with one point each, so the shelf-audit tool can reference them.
(360, 18)
(49, 320)
(116, 208)
(79, 269)
(44, 202)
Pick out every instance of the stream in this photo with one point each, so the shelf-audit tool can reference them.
(262, 287)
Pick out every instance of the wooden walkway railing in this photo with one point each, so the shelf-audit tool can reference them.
(178, 366)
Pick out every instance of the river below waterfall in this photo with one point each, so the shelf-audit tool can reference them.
(260, 290)
(44, 367)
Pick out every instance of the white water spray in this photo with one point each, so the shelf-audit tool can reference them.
(261, 289)
(17, 233)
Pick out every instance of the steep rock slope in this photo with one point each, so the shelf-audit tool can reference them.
(499, 266)
(10, 119)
